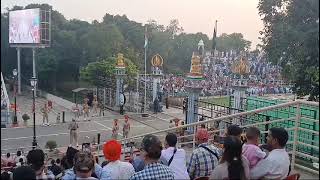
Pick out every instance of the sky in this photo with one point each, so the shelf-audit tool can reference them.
(194, 15)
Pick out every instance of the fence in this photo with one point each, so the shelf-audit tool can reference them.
(296, 145)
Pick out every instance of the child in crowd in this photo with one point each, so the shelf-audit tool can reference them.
(250, 149)
(115, 129)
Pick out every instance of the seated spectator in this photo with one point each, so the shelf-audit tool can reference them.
(24, 172)
(5, 175)
(104, 163)
(250, 149)
(54, 168)
(58, 162)
(35, 159)
(20, 163)
(176, 158)
(67, 161)
(151, 151)
(138, 163)
(234, 130)
(276, 164)
(204, 158)
(97, 171)
(117, 169)
(232, 165)
(19, 155)
(84, 165)
(8, 159)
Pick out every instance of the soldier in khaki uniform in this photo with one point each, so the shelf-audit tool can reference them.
(86, 109)
(115, 129)
(45, 111)
(73, 126)
(126, 127)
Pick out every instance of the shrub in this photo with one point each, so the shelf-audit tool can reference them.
(25, 117)
(51, 145)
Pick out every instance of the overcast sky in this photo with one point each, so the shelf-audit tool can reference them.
(194, 15)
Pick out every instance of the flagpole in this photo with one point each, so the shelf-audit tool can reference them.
(145, 73)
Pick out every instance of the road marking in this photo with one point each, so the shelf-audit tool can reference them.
(106, 127)
(28, 137)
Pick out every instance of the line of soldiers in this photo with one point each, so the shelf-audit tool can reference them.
(73, 128)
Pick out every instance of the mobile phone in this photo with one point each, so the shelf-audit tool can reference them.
(86, 147)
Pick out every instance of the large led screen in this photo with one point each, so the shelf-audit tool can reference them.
(24, 26)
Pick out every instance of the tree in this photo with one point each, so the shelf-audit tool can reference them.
(291, 39)
(234, 41)
(174, 28)
(94, 72)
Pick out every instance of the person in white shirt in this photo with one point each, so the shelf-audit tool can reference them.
(176, 158)
(116, 168)
(19, 155)
(276, 164)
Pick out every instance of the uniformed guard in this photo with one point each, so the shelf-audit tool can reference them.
(115, 129)
(73, 126)
(126, 127)
(45, 111)
(86, 109)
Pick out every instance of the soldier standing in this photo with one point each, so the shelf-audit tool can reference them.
(126, 127)
(45, 111)
(86, 109)
(73, 126)
(115, 129)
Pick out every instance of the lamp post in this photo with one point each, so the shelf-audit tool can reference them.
(33, 82)
(15, 120)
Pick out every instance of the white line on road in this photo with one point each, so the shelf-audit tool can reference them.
(29, 137)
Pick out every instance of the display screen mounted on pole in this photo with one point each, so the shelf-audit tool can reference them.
(30, 28)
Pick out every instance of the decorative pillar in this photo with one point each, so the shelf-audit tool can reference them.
(193, 88)
(156, 62)
(240, 68)
(120, 74)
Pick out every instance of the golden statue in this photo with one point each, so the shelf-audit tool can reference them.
(241, 67)
(120, 60)
(196, 68)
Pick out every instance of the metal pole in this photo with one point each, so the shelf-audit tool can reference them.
(15, 120)
(34, 143)
(19, 70)
(34, 68)
(295, 135)
(145, 77)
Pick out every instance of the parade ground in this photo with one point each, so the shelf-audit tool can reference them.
(22, 136)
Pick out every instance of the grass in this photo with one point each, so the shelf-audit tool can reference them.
(223, 100)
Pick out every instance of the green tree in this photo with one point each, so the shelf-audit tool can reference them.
(291, 39)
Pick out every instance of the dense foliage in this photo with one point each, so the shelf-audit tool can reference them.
(80, 45)
(291, 39)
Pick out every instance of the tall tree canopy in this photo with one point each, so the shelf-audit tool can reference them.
(291, 39)
(82, 45)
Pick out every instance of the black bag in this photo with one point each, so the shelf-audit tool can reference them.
(174, 151)
(215, 154)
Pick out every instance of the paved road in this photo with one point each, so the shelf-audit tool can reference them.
(13, 138)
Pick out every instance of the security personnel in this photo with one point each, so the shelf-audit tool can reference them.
(73, 126)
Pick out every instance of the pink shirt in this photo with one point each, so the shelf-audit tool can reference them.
(253, 153)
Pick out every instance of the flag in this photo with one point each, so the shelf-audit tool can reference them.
(145, 38)
(214, 43)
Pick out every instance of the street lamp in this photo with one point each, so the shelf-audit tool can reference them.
(33, 82)
(15, 120)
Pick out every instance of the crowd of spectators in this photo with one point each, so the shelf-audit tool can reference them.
(264, 78)
(236, 158)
